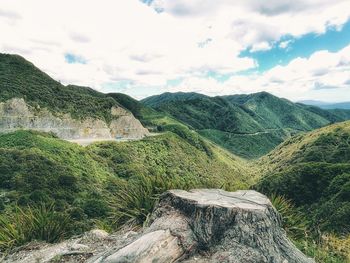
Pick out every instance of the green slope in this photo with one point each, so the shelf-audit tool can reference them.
(247, 125)
(156, 100)
(20, 78)
(86, 182)
(273, 112)
(313, 170)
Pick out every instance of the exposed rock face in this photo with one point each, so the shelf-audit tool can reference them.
(16, 114)
(207, 225)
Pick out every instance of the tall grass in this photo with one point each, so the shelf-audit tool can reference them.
(32, 223)
(293, 221)
(323, 247)
(134, 202)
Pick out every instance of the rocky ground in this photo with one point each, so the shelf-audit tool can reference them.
(17, 114)
(204, 225)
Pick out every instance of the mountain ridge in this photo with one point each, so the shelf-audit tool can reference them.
(233, 119)
(327, 105)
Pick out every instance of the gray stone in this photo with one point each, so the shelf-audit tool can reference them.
(17, 114)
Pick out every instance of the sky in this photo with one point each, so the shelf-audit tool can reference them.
(296, 49)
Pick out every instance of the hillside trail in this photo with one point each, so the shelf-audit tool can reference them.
(261, 132)
(88, 141)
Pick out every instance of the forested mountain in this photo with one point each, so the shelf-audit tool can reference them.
(247, 125)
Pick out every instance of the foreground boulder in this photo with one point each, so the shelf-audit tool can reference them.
(204, 225)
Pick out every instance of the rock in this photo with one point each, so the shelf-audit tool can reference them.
(46, 252)
(210, 225)
(17, 114)
(127, 126)
(77, 249)
(95, 235)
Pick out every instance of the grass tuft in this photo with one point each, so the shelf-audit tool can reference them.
(32, 223)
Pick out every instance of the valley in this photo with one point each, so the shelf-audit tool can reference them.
(231, 120)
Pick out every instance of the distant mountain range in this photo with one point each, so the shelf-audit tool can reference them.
(327, 105)
(247, 125)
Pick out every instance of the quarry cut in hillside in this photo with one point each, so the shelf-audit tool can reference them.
(17, 114)
(203, 225)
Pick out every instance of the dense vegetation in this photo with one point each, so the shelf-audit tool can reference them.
(322, 246)
(21, 79)
(247, 125)
(313, 170)
(97, 184)
(51, 189)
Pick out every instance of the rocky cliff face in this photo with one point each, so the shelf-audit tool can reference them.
(196, 226)
(17, 114)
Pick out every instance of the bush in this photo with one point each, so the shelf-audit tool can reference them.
(2, 205)
(323, 247)
(135, 201)
(95, 208)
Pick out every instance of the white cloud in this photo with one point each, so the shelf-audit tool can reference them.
(323, 76)
(285, 44)
(261, 46)
(129, 41)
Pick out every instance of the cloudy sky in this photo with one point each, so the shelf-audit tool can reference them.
(298, 49)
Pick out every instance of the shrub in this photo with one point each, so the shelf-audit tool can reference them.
(134, 202)
(323, 247)
(95, 208)
(293, 221)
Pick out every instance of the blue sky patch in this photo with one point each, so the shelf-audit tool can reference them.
(74, 59)
(332, 40)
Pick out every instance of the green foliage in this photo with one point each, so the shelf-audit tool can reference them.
(247, 125)
(95, 208)
(248, 146)
(171, 156)
(21, 79)
(327, 249)
(293, 221)
(137, 199)
(129, 103)
(322, 247)
(190, 136)
(41, 222)
(107, 183)
(313, 170)
(37, 167)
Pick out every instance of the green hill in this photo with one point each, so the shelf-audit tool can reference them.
(21, 79)
(247, 125)
(156, 100)
(88, 184)
(313, 170)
